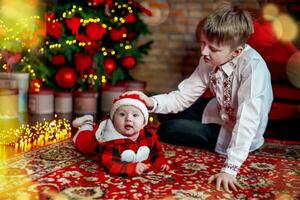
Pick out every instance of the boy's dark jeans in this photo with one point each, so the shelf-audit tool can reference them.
(185, 128)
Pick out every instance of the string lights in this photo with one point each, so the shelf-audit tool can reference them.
(40, 134)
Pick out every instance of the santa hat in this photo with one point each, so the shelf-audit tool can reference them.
(130, 100)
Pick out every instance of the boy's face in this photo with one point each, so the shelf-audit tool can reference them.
(128, 120)
(215, 54)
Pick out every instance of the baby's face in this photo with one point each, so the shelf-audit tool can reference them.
(128, 120)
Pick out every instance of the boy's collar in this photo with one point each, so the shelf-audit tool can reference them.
(229, 67)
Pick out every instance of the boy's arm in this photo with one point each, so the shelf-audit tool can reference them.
(187, 93)
(255, 90)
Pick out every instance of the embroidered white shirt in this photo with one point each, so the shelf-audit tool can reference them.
(243, 98)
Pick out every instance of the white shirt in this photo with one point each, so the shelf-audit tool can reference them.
(243, 98)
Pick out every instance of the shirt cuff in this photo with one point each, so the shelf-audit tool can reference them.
(154, 106)
(230, 169)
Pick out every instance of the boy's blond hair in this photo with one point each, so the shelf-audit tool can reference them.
(228, 25)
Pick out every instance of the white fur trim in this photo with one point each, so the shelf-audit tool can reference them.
(130, 102)
(107, 132)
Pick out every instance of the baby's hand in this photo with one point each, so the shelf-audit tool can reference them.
(165, 167)
(141, 167)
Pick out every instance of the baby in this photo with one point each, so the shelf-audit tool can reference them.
(124, 145)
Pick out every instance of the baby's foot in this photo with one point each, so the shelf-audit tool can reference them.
(82, 120)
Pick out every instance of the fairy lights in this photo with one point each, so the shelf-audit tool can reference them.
(71, 12)
(43, 133)
(103, 79)
(122, 20)
(151, 119)
(81, 44)
(92, 20)
(128, 47)
(4, 67)
(106, 52)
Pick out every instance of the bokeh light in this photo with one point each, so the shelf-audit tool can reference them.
(20, 26)
(160, 11)
(285, 27)
(11, 11)
(270, 11)
(293, 69)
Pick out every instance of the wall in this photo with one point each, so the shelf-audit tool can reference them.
(173, 25)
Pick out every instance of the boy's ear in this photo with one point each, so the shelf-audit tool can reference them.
(237, 51)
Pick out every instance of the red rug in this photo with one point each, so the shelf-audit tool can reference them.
(59, 172)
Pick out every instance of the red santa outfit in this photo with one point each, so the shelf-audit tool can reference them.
(118, 154)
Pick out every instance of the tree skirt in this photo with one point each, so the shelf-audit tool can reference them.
(60, 172)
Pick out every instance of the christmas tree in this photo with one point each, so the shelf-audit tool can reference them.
(21, 33)
(90, 42)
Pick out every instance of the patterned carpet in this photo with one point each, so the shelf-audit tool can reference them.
(59, 172)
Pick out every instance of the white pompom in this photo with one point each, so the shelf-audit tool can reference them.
(128, 156)
(142, 153)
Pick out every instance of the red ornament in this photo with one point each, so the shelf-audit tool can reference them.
(92, 47)
(130, 18)
(66, 77)
(54, 29)
(128, 62)
(92, 71)
(82, 62)
(49, 16)
(58, 60)
(36, 85)
(11, 59)
(73, 24)
(109, 65)
(117, 35)
(83, 38)
(95, 31)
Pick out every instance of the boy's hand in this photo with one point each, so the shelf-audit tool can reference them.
(141, 167)
(227, 181)
(149, 102)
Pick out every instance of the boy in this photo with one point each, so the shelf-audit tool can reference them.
(234, 121)
(125, 147)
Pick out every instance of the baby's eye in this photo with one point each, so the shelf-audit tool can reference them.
(122, 114)
(135, 115)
